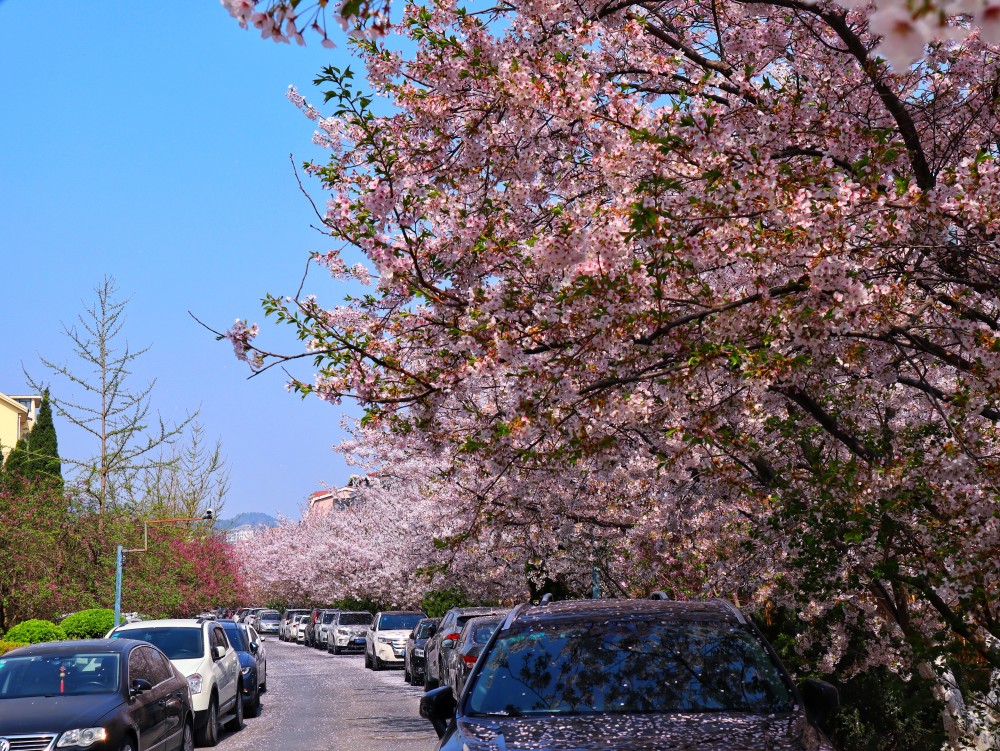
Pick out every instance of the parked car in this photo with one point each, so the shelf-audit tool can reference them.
(99, 693)
(473, 637)
(437, 650)
(346, 632)
(284, 633)
(253, 663)
(322, 628)
(298, 629)
(386, 638)
(413, 653)
(268, 622)
(202, 652)
(619, 674)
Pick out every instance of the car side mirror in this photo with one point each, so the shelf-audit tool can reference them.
(218, 652)
(438, 706)
(448, 643)
(139, 685)
(254, 647)
(821, 700)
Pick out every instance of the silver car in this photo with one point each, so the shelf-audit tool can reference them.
(346, 632)
(268, 622)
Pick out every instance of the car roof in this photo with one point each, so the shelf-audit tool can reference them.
(716, 610)
(110, 646)
(165, 623)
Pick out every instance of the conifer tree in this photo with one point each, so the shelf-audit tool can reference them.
(35, 458)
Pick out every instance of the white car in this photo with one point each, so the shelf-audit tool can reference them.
(385, 639)
(200, 649)
(299, 628)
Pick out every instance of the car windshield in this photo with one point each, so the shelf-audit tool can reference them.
(628, 666)
(58, 675)
(327, 617)
(398, 621)
(272, 616)
(176, 642)
(355, 619)
(237, 638)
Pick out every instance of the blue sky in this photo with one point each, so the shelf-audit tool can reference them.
(154, 147)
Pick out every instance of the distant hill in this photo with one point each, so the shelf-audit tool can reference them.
(253, 518)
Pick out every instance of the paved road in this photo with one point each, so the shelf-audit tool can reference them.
(320, 702)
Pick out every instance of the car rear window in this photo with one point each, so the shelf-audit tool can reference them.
(355, 619)
(629, 666)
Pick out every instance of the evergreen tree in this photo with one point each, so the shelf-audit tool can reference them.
(44, 445)
(35, 458)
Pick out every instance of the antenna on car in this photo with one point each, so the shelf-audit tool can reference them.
(659, 595)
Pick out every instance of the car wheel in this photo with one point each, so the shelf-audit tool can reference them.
(253, 708)
(209, 735)
(406, 675)
(236, 724)
(263, 683)
(429, 682)
(336, 650)
(126, 746)
(368, 661)
(187, 738)
(377, 664)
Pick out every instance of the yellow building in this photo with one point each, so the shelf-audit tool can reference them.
(17, 415)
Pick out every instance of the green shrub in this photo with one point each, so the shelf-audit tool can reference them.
(35, 631)
(6, 646)
(89, 624)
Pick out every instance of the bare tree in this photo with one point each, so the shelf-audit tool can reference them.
(130, 437)
(189, 479)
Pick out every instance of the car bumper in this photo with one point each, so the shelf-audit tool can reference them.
(386, 653)
(349, 642)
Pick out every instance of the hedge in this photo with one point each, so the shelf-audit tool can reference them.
(35, 631)
(6, 646)
(88, 624)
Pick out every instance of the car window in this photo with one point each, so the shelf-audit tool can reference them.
(235, 635)
(176, 642)
(398, 621)
(140, 666)
(59, 674)
(327, 617)
(629, 666)
(158, 666)
(219, 638)
(355, 619)
(254, 636)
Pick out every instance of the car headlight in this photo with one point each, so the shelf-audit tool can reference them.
(82, 738)
(196, 683)
(418, 652)
(343, 631)
(246, 670)
(384, 640)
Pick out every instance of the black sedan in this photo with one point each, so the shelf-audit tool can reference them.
(630, 675)
(99, 694)
(413, 654)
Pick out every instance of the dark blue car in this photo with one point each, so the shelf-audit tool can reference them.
(253, 663)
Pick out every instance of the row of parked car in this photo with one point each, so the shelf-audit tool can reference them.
(159, 684)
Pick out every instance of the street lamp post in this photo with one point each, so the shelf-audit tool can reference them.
(120, 554)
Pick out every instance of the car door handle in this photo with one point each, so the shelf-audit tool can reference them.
(162, 702)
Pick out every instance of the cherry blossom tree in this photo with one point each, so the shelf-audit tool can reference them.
(701, 293)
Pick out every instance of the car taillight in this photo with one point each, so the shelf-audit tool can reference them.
(453, 637)
(470, 660)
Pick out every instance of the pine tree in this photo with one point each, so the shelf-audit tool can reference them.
(44, 463)
(35, 458)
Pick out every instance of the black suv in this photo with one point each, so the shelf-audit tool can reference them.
(646, 675)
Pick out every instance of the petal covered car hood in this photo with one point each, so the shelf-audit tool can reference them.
(682, 732)
(54, 714)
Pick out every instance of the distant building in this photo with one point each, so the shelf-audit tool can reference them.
(337, 499)
(241, 533)
(17, 416)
